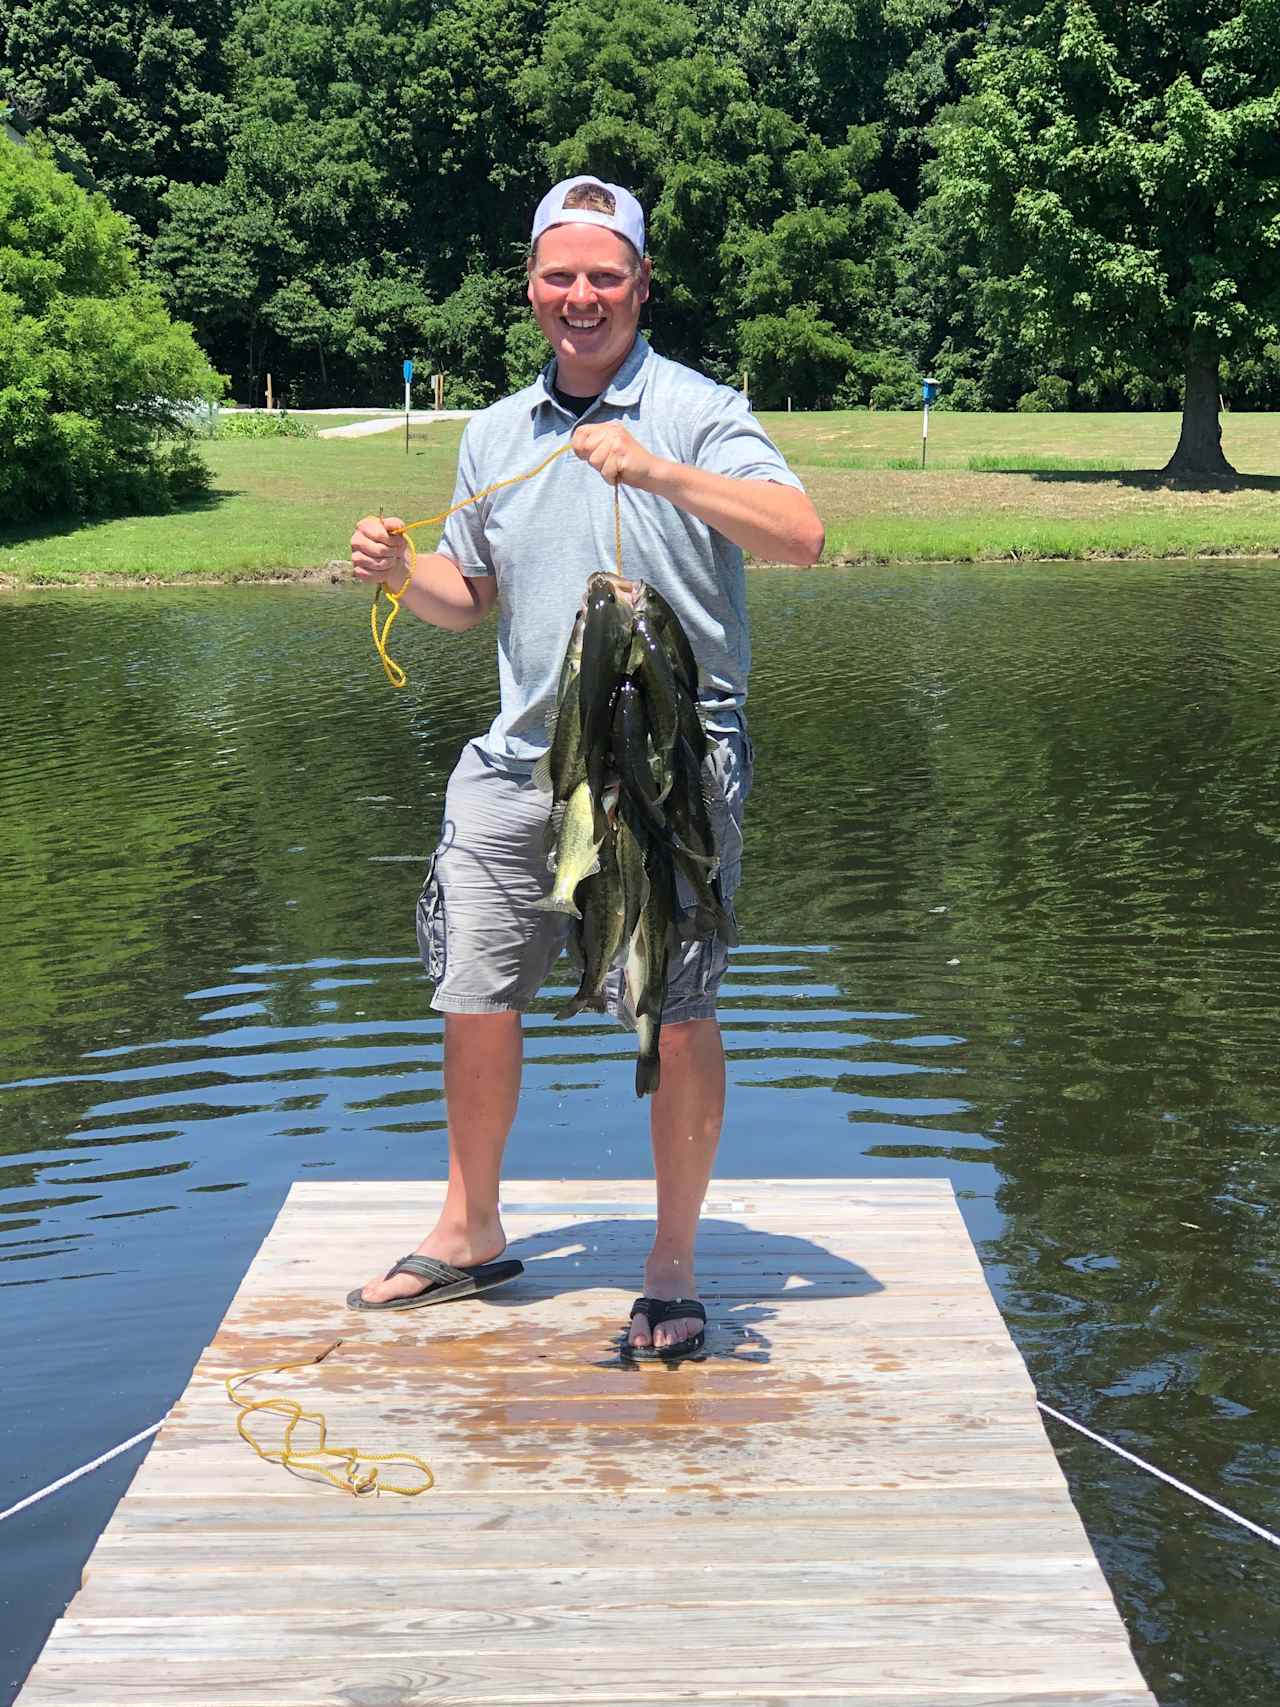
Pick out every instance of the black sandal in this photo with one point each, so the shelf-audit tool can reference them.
(656, 1311)
(444, 1282)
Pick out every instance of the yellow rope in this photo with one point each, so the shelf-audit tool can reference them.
(395, 675)
(357, 1479)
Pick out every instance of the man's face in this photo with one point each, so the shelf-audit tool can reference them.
(587, 289)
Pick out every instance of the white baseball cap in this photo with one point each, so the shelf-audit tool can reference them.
(588, 201)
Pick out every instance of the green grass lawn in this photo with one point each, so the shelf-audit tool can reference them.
(998, 487)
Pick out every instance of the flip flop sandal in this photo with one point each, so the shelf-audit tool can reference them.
(444, 1282)
(656, 1311)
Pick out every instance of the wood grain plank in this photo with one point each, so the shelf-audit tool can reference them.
(773, 1624)
(394, 1580)
(230, 1466)
(976, 1670)
(881, 1512)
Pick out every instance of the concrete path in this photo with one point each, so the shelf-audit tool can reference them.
(388, 422)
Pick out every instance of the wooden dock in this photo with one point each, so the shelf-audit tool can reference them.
(849, 1499)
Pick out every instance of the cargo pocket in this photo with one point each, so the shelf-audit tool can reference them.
(713, 959)
(433, 940)
(717, 771)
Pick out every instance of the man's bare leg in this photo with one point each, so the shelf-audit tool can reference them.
(685, 1119)
(482, 1060)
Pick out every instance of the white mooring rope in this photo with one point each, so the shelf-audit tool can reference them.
(75, 1475)
(1222, 1510)
(1058, 1416)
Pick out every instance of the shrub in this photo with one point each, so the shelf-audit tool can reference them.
(91, 365)
(281, 426)
(1048, 396)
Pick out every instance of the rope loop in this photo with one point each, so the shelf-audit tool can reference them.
(395, 675)
(361, 1473)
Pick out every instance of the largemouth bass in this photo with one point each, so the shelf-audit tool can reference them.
(606, 640)
(649, 665)
(561, 768)
(689, 812)
(645, 967)
(600, 934)
(577, 853)
(572, 665)
(631, 846)
(671, 632)
(633, 752)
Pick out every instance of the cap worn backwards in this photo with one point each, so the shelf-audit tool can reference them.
(588, 201)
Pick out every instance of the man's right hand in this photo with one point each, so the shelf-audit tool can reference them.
(376, 553)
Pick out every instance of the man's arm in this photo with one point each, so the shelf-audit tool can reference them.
(771, 521)
(439, 592)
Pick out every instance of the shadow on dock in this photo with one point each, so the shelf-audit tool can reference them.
(747, 1273)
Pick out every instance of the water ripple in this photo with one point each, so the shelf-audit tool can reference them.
(1011, 918)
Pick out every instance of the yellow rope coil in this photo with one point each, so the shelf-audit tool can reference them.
(395, 675)
(361, 1476)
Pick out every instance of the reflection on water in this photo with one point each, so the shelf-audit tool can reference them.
(1011, 917)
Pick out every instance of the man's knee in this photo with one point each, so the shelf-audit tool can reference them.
(482, 1031)
(495, 1019)
(686, 1036)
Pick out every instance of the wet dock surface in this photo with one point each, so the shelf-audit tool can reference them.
(848, 1497)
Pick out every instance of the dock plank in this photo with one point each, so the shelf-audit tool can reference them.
(849, 1498)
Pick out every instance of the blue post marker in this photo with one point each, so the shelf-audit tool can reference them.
(408, 381)
(928, 391)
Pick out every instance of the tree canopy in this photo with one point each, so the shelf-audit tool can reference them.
(1045, 202)
(1117, 171)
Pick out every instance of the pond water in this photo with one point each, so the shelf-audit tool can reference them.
(1011, 917)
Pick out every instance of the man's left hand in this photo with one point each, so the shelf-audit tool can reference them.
(612, 452)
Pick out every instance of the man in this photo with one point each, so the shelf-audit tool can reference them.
(702, 483)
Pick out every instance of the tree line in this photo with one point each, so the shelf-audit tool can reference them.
(1044, 203)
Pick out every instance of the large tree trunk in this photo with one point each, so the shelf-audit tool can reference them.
(1199, 451)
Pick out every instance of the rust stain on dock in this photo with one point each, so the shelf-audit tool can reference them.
(848, 1498)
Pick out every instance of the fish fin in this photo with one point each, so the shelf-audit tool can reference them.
(557, 904)
(709, 864)
(649, 811)
(551, 834)
(542, 772)
(574, 1005)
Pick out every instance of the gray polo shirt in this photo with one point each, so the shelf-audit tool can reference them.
(542, 538)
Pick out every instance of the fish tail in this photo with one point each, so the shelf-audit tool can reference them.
(648, 1074)
(554, 903)
(582, 998)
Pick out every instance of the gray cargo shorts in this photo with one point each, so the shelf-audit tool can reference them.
(488, 949)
